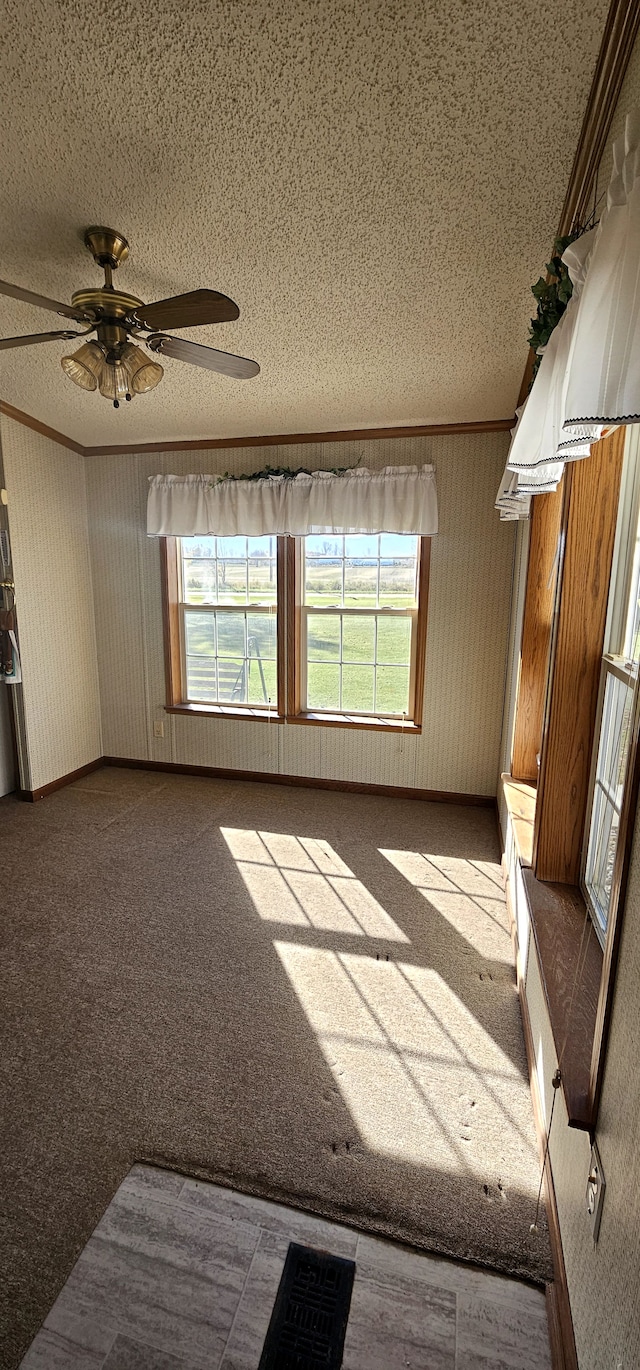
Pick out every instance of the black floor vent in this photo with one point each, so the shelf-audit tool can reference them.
(309, 1318)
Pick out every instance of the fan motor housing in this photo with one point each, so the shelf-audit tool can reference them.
(106, 245)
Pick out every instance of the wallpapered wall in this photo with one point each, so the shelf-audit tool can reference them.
(54, 597)
(467, 629)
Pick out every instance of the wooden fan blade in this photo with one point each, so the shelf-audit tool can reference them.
(185, 311)
(240, 368)
(17, 293)
(28, 338)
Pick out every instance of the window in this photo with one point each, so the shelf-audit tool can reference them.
(614, 719)
(359, 610)
(608, 787)
(228, 617)
(323, 629)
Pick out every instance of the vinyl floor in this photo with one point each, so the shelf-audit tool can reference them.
(182, 1275)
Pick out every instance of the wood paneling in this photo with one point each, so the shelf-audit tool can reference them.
(537, 622)
(589, 521)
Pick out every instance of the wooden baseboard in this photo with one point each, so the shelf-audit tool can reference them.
(32, 795)
(561, 1334)
(486, 801)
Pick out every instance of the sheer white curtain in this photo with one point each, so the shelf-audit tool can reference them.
(399, 499)
(589, 376)
(604, 365)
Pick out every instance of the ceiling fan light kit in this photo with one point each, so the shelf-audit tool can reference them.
(113, 364)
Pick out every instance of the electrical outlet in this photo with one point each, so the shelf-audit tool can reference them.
(158, 728)
(596, 1185)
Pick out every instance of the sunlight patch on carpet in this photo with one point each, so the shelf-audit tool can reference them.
(303, 882)
(469, 894)
(423, 1080)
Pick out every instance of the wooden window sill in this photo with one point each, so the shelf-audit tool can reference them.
(558, 921)
(372, 724)
(520, 798)
(241, 712)
(244, 713)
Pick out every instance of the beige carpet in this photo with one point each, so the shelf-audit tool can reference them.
(304, 994)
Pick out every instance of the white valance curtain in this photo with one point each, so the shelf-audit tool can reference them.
(399, 499)
(589, 376)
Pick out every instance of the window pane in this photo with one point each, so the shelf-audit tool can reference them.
(234, 547)
(358, 639)
(323, 545)
(398, 545)
(261, 636)
(360, 583)
(323, 581)
(358, 689)
(201, 679)
(232, 680)
(199, 582)
(611, 765)
(378, 569)
(323, 687)
(398, 583)
(262, 681)
(231, 634)
(232, 581)
(200, 633)
(235, 570)
(198, 547)
(394, 640)
(323, 637)
(392, 689)
(362, 545)
(262, 580)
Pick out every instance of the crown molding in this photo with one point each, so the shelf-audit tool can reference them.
(27, 421)
(620, 33)
(424, 430)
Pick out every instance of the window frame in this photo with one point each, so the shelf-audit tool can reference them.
(412, 721)
(289, 610)
(173, 622)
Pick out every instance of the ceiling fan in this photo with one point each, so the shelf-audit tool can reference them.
(112, 363)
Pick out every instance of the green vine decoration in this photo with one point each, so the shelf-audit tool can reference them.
(288, 472)
(552, 295)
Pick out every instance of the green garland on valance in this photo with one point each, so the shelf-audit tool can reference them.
(552, 294)
(287, 472)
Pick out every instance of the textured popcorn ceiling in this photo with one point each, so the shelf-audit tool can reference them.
(376, 182)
